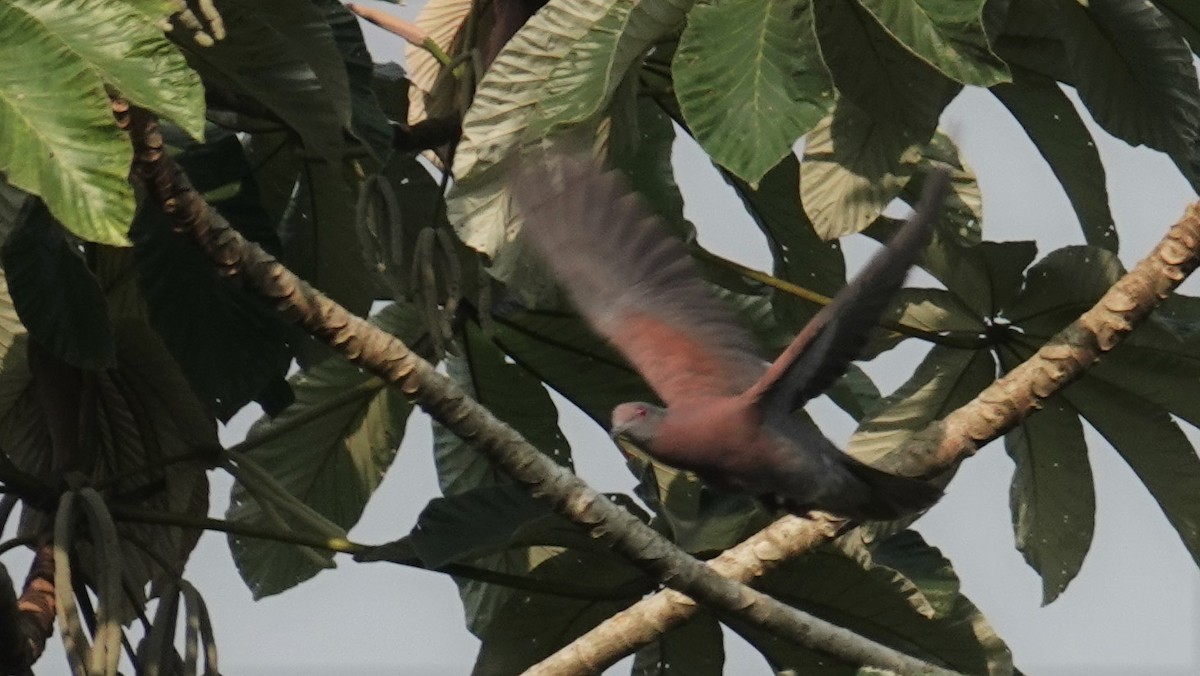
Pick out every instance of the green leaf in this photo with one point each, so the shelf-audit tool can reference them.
(559, 349)
(513, 395)
(962, 213)
(55, 293)
(857, 159)
(531, 626)
(948, 35)
(696, 648)
(520, 400)
(233, 347)
(1153, 446)
(281, 54)
(330, 449)
(58, 138)
(494, 127)
(986, 277)
(946, 379)
(1135, 75)
(1052, 499)
(588, 75)
(1055, 127)
(800, 255)
(1186, 17)
(749, 94)
(127, 51)
(855, 393)
(367, 118)
(1061, 286)
(875, 601)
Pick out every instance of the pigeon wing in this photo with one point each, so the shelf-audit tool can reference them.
(824, 348)
(633, 282)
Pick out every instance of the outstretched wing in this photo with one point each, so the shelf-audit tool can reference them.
(631, 279)
(824, 348)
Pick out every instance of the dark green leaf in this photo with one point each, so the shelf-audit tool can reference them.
(1052, 498)
(1055, 127)
(949, 35)
(531, 626)
(748, 94)
(696, 648)
(1153, 446)
(232, 346)
(367, 118)
(330, 449)
(945, 380)
(857, 160)
(55, 294)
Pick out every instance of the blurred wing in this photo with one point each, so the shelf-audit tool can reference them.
(824, 348)
(631, 280)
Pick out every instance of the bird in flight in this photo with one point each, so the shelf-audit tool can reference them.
(729, 416)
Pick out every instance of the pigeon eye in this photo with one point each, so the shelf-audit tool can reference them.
(641, 412)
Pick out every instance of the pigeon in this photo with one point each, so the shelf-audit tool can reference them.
(730, 417)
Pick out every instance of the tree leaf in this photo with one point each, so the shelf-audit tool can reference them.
(949, 36)
(857, 159)
(588, 75)
(531, 626)
(1055, 127)
(1185, 16)
(800, 255)
(1063, 284)
(749, 94)
(442, 20)
(281, 54)
(1153, 446)
(493, 129)
(128, 52)
(946, 379)
(58, 138)
(54, 292)
(1135, 75)
(330, 449)
(367, 119)
(1052, 498)
(961, 216)
(874, 601)
(696, 648)
(986, 277)
(233, 347)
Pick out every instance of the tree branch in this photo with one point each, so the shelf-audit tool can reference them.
(938, 447)
(385, 356)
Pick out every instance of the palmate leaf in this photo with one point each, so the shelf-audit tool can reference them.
(367, 119)
(1128, 395)
(54, 292)
(857, 159)
(521, 401)
(1060, 135)
(587, 77)
(1132, 70)
(1052, 498)
(747, 95)
(330, 449)
(494, 127)
(57, 135)
(442, 21)
(696, 647)
(282, 55)
(914, 607)
(947, 34)
(233, 347)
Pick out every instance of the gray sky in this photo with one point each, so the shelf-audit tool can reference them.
(1134, 608)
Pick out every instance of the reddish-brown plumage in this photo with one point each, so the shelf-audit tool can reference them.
(730, 417)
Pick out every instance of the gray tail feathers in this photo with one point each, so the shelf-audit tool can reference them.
(889, 496)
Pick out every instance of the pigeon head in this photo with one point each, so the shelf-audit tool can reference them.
(637, 421)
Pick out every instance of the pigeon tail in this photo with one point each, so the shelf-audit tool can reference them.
(890, 496)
